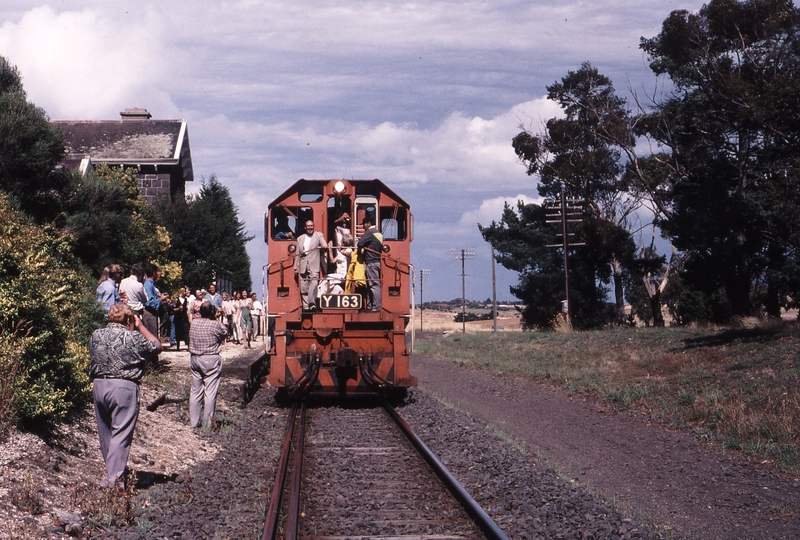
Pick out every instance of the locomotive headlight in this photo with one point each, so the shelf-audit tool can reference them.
(292, 248)
(338, 187)
(386, 248)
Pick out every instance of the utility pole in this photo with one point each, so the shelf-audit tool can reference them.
(422, 273)
(468, 253)
(494, 294)
(565, 210)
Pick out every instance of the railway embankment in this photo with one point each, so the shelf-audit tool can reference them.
(666, 477)
(543, 462)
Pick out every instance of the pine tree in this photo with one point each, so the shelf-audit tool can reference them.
(30, 148)
(208, 238)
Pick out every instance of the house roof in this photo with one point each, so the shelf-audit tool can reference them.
(138, 141)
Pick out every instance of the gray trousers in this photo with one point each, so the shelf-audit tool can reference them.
(373, 271)
(150, 322)
(206, 372)
(116, 405)
(308, 289)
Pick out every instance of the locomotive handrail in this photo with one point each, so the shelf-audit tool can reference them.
(264, 288)
(398, 261)
(265, 276)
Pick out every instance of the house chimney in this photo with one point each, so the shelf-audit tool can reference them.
(135, 114)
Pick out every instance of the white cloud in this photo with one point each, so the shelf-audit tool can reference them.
(85, 65)
(426, 96)
(473, 152)
(492, 209)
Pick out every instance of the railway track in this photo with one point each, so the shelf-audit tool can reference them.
(363, 473)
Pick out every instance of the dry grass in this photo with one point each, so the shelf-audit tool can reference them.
(737, 387)
(105, 508)
(442, 321)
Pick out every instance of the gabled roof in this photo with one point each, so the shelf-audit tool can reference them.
(127, 142)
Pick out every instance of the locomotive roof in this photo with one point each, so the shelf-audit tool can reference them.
(383, 188)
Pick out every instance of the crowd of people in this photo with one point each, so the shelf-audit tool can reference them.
(138, 316)
(241, 315)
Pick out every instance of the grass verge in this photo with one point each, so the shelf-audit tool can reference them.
(735, 387)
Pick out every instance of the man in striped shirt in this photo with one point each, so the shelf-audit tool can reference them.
(205, 339)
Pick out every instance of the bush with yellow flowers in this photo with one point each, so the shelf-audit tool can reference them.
(48, 310)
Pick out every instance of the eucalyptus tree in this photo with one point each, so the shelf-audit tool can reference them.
(580, 156)
(731, 134)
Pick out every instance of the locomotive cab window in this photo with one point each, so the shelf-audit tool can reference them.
(340, 218)
(283, 224)
(288, 222)
(366, 207)
(394, 223)
(311, 193)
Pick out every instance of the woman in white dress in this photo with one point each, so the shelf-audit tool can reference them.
(333, 283)
(237, 312)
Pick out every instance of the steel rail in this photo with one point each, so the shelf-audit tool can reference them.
(271, 524)
(293, 510)
(478, 514)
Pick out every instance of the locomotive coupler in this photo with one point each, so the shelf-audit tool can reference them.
(346, 357)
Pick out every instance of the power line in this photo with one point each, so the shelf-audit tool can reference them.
(422, 273)
(564, 210)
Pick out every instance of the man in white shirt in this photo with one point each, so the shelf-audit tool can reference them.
(307, 265)
(134, 290)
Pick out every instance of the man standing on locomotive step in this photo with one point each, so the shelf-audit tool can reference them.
(370, 246)
(307, 264)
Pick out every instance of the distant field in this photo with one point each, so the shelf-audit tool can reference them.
(735, 387)
(442, 321)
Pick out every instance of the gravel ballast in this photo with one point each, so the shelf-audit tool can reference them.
(198, 484)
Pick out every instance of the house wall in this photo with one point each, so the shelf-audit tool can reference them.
(165, 183)
(155, 186)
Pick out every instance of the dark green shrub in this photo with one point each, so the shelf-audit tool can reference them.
(48, 313)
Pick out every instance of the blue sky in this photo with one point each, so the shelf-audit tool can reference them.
(425, 96)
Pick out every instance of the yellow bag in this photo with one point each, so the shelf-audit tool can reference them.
(356, 274)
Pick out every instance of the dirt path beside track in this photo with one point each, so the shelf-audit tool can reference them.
(669, 477)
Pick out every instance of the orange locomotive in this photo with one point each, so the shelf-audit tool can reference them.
(331, 344)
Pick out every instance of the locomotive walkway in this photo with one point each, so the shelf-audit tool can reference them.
(668, 476)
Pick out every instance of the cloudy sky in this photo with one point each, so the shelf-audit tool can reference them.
(425, 96)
